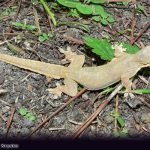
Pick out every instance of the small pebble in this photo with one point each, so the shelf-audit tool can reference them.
(17, 88)
(145, 117)
(35, 76)
(27, 123)
(108, 119)
(85, 96)
(5, 109)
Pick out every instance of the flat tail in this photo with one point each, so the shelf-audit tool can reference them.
(49, 70)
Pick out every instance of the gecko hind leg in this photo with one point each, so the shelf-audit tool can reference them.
(69, 88)
(128, 85)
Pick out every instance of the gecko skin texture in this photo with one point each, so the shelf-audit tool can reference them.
(122, 67)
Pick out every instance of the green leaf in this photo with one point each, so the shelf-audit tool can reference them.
(131, 49)
(123, 133)
(96, 18)
(140, 7)
(97, 9)
(104, 14)
(84, 9)
(120, 121)
(30, 27)
(18, 24)
(14, 49)
(32, 118)
(74, 13)
(23, 111)
(100, 47)
(142, 91)
(98, 1)
(104, 22)
(26, 114)
(68, 3)
(114, 114)
(110, 19)
(24, 26)
(43, 37)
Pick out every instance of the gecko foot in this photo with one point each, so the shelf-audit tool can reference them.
(69, 55)
(129, 93)
(55, 91)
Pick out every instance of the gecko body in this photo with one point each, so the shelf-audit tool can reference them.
(123, 67)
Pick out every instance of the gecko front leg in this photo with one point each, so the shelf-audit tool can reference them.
(70, 86)
(77, 61)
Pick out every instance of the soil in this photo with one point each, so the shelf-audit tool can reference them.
(26, 89)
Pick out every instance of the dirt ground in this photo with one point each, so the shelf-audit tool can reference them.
(25, 89)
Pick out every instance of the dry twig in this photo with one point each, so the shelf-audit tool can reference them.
(57, 111)
(9, 121)
(141, 32)
(95, 114)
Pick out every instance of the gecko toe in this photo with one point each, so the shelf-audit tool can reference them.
(55, 91)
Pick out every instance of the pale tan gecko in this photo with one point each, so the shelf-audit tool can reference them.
(122, 67)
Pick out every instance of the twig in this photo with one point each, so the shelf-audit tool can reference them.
(141, 32)
(74, 40)
(3, 117)
(55, 129)
(57, 111)
(36, 20)
(4, 3)
(10, 29)
(143, 101)
(51, 15)
(133, 25)
(115, 127)
(6, 103)
(94, 115)
(9, 121)
(89, 120)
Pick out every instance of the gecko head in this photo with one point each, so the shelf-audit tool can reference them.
(144, 56)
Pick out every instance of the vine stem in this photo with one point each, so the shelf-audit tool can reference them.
(49, 12)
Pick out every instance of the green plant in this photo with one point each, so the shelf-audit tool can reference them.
(76, 25)
(119, 128)
(26, 114)
(142, 91)
(95, 1)
(131, 49)
(47, 9)
(100, 47)
(43, 37)
(7, 12)
(140, 8)
(24, 26)
(120, 120)
(104, 49)
(13, 48)
(95, 11)
(122, 3)
(73, 13)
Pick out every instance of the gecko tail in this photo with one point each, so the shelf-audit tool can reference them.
(49, 70)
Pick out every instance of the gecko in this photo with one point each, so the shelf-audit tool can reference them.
(122, 67)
